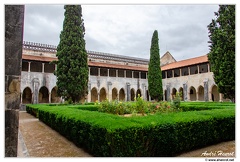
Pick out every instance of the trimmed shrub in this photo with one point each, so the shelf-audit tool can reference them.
(196, 106)
(165, 134)
(85, 107)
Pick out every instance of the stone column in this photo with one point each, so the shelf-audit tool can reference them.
(29, 66)
(185, 92)
(35, 90)
(139, 74)
(128, 91)
(124, 73)
(98, 89)
(180, 72)
(198, 68)
(108, 72)
(220, 97)
(49, 97)
(89, 92)
(173, 73)
(132, 74)
(164, 99)
(109, 91)
(210, 96)
(168, 92)
(43, 67)
(14, 20)
(189, 71)
(116, 73)
(21, 97)
(208, 66)
(98, 71)
(98, 96)
(144, 92)
(206, 96)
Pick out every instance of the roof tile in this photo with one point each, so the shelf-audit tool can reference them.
(188, 62)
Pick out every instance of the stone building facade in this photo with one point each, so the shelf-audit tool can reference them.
(116, 77)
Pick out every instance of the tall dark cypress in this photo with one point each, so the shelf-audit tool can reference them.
(154, 70)
(72, 66)
(222, 50)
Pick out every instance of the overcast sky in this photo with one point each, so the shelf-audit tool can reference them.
(128, 29)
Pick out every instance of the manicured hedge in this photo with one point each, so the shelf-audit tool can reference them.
(196, 106)
(153, 135)
(85, 107)
(33, 109)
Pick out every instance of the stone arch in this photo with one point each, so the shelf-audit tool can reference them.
(54, 96)
(200, 93)
(114, 94)
(215, 93)
(138, 93)
(43, 96)
(27, 96)
(94, 94)
(180, 90)
(132, 94)
(174, 91)
(121, 95)
(103, 94)
(192, 92)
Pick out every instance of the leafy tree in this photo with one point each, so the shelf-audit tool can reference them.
(154, 70)
(72, 66)
(222, 50)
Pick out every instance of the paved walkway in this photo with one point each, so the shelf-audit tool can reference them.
(36, 139)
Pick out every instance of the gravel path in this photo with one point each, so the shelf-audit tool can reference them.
(36, 139)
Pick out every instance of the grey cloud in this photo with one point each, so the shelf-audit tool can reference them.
(127, 29)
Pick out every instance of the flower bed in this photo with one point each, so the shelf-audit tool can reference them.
(138, 107)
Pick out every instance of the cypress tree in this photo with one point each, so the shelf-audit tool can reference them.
(154, 70)
(222, 50)
(72, 66)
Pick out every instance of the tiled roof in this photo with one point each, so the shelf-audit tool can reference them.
(90, 63)
(188, 62)
(38, 58)
(117, 66)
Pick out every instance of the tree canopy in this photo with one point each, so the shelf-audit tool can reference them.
(154, 70)
(72, 66)
(222, 50)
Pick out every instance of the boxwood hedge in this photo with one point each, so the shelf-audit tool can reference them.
(196, 106)
(158, 135)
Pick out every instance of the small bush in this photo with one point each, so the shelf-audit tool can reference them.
(176, 101)
(141, 105)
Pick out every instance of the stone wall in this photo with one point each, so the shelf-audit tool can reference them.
(204, 80)
(36, 80)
